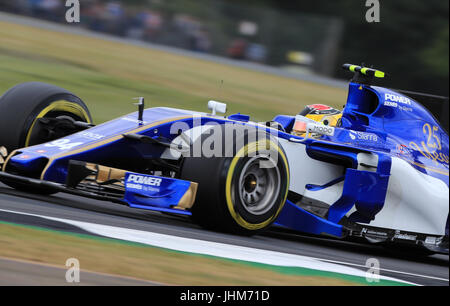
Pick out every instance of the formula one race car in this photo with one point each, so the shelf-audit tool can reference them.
(377, 170)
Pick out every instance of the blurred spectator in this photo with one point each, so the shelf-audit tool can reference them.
(19, 6)
(136, 26)
(243, 50)
(186, 23)
(191, 33)
(151, 24)
(237, 48)
(114, 17)
(256, 53)
(201, 39)
(46, 9)
(91, 12)
(145, 24)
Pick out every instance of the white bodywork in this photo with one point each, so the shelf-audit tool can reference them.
(415, 202)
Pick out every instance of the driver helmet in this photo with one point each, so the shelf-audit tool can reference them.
(319, 113)
(322, 113)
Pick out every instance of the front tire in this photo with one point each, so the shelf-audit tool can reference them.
(236, 194)
(22, 106)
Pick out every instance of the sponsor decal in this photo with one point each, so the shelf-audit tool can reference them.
(432, 148)
(405, 108)
(400, 102)
(370, 232)
(134, 186)
(431, 240)
(402, 149)
(366, 231)
(92, 136)
(320, 129)
(392, 104)
(144, 180)
(354, 135)
(405, 236)
(397, 99)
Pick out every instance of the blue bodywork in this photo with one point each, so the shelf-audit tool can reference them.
(375, 120)
(143, 191)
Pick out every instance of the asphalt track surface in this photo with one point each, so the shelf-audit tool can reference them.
(22, 273)
(423, 270)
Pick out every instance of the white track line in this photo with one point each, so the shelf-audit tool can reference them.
(385, 270)
(215, 248)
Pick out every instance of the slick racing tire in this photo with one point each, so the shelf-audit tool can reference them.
(241, 194)
(22, 106)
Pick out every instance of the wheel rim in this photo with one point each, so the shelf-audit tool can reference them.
(65, 107)
(259, 187)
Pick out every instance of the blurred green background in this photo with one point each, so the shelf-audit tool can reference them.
(410, 43)
(107, 75)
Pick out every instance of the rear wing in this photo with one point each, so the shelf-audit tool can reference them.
(436, 105)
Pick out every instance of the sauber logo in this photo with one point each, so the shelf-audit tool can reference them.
(363, 136)
(144, 180)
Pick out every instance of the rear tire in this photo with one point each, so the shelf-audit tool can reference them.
(235, 194)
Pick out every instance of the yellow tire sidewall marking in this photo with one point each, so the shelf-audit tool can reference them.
(58, 106)
(244, 151)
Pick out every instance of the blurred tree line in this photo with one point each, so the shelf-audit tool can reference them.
(411, 42)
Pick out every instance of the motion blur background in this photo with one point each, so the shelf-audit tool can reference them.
(411, 41)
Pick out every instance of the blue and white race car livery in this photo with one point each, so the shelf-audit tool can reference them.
(377, 170)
